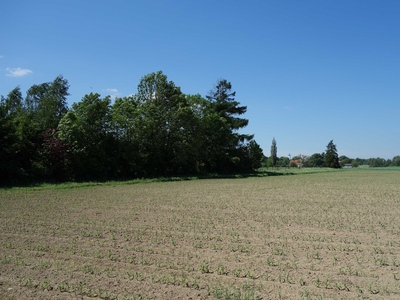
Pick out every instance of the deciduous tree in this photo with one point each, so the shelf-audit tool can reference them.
(396, 161)
(86, 128)
(256, 154)
(47, 103)
(316, 160)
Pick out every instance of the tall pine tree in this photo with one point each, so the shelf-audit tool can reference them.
(228, 147)
(331, 159)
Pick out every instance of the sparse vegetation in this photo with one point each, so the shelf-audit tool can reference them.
(311, 236)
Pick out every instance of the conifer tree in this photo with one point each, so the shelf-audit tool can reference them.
(331, 159)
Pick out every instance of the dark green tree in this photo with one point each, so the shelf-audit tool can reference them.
(396, 161)
(47, 103)
(224, 103)
(229, 147)
(316, 160)
(125, 115)
(256, 154)
(362, 161)
(13, 102)
(22, 141)
(343, 159)
(159, 131)
(165, 126)
(86, 128)
(41, 110)
(283, 161)
(9, 143)
(274, 151)
(378, 162)
(331, 159)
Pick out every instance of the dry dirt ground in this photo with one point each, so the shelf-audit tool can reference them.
(316, 236)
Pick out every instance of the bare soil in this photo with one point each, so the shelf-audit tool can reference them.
(312, 236)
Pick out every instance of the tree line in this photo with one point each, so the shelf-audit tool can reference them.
(328, 159)
(375, 161)
(159, 131)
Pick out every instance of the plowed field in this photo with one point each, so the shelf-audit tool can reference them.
(311, 236)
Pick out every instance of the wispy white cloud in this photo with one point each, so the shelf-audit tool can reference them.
(18, 72)
(288, 107)
(112, 92)
(1, 56)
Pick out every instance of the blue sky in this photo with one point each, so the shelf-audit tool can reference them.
(308, 71)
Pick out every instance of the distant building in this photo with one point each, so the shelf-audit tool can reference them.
(298, 162)
(348, 166)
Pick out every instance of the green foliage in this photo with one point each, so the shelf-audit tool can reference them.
(344, 160)
(166, 127)
(124, 126)
(255, 154)
(379, 162)
(158, 132)
(316, 160)
(274, 151)
(396, 161)
(47, 103)
(228, 148)
(9, 142)
(13, 102)
(331, 159)
(223, 103)
(283, 161)
(24, 123)
(86, 129)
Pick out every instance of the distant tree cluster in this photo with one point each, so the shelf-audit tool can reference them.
(160, 131)
(381, 162)
(330, 159)
(327, 159)
(371, 162)
(274, 160)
